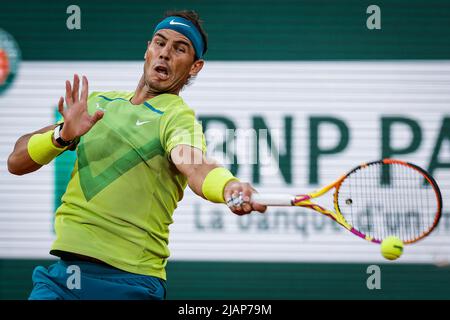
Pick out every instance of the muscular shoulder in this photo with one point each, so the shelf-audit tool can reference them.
(178, 109)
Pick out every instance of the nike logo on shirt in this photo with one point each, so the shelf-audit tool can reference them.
(140, 123)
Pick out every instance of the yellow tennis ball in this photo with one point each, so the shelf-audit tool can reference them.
(392, 248)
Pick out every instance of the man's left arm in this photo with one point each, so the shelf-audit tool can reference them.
(213, 182)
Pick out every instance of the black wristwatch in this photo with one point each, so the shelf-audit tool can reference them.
(57, 136)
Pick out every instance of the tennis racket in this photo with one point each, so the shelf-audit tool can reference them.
(376, 200)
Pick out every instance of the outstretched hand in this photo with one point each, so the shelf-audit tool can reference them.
(77, 120)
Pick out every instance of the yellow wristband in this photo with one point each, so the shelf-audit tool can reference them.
(41, 148)
(215, 183)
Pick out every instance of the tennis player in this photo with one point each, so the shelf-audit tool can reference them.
(136, 153)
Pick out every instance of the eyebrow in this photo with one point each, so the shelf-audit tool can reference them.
(178, 41)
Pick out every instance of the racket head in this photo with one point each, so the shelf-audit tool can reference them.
(389, 198)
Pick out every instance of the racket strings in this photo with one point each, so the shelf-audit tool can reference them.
(381, 200)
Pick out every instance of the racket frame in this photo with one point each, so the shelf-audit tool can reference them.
(304, 200)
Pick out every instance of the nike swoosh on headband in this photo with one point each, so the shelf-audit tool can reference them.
(173, 22)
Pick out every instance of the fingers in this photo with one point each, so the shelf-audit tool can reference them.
(235, 204)
(69, 100)
(231, 196)
(259, 207)
(61, 106)
(76, 86)
(85, 90)
(246, 207)
(238, 199)
(97, 116)
(73, 93)
(246, 196)
(247, 191)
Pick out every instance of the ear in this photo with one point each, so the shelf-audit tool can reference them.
(196, 67)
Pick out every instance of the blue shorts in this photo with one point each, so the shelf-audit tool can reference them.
(80, 280)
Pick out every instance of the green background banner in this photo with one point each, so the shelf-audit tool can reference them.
(238, 30)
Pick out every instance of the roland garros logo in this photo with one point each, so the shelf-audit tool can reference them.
(9, 60)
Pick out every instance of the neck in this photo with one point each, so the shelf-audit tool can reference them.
(144, 92)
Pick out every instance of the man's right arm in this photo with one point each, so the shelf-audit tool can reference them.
(19, 161)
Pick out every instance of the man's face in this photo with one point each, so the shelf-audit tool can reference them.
(169, 61)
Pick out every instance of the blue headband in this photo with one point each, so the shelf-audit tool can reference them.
(186, 28)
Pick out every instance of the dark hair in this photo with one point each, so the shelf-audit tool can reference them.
(192, 16)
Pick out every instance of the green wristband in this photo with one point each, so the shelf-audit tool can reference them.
(215, 183)
(41, 148)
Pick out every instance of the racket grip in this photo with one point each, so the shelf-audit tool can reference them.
(273, 199)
